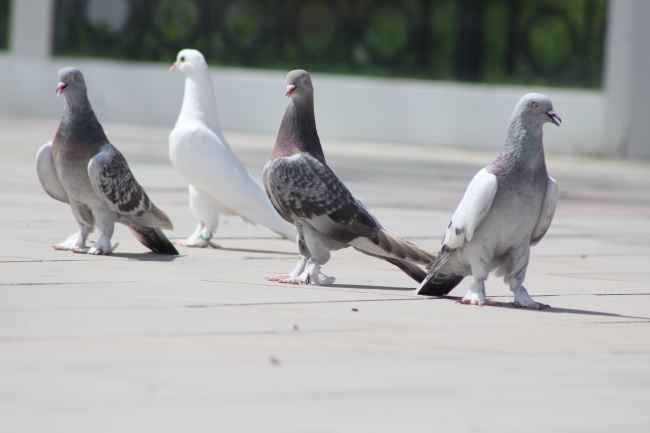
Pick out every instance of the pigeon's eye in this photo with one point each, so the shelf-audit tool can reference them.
(182, 58)
(535, 105)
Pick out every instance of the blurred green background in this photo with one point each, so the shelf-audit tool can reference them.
(540, 42)
(4, 24)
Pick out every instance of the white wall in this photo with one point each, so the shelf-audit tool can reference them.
(451, 114)
(627, 123)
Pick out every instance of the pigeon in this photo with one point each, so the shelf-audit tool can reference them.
(82, 168)
(218, 181)
(507, 208)
(306, 192)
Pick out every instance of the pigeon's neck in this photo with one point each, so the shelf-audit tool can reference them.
(298, 132)
(199, 102)
(523, 148)
(79, 125)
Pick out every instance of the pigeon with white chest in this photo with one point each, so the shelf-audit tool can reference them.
(306, 192)
(82, 168)
(507, 208)
(218, 182)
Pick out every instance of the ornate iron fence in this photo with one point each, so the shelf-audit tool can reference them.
(547, 42)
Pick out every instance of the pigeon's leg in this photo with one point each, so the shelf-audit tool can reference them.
(515, 279)
(204, 208)
(523, 299)
(313, 275)
(77, 242)
(293, 276)
(194, 236)
(201, 238)
(105, 225)
(319, 246)
(299, 269)
(476, 294)
(307, 271)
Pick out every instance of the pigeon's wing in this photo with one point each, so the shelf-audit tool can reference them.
(303, 189)
(471, 210)
(114, 183)
(204, 159)
(270, 191)
(548, 210)
(47, 174)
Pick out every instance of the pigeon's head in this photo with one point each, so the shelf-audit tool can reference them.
(188, 61)
(536, 108)
(298, 84)
(71, 81)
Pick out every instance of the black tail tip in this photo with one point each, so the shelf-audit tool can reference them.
(167, 249)
(432, 286)
(155, 240)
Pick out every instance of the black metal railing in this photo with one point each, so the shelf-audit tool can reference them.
(545, 42)
(4, 24)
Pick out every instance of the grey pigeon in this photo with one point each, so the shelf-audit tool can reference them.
(305, 191)
(82, 168)
(506, 209)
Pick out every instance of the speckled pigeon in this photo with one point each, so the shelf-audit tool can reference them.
(82, 168)
(307, 193)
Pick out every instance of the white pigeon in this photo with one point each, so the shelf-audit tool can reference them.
(328, 217)
(506, 209)
(218, 181)
(82, 168)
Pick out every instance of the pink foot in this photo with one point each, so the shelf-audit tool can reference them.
(283, 279)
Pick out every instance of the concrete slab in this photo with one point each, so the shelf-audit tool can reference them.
(201, 342)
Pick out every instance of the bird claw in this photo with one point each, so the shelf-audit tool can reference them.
(323, 280)
(490, 303)
(293, 281)
(523, 300)
(196, 243)
(284, 279)
(479, 302)
(534, 306)
(74, 242)
(61, 247)
(98, 250)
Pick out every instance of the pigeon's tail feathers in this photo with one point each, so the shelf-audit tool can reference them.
(438, 281)
(154, 239)
(435, 284)
(163, 219)
(410, 269)
(387, 245)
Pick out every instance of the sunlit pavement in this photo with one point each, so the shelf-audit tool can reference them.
(138, 342)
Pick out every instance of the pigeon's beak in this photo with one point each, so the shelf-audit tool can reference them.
(174, 67)
(290, 90)
(60, 88)
(554, 117)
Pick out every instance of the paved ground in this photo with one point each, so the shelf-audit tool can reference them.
(137, 342)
